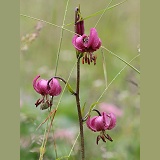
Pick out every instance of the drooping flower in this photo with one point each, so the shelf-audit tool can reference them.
(46, 87)
(101, 123)
(87, 44)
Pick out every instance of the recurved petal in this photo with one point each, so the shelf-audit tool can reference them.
(106, 120)
(91, 123)
(99, 123)
(54, 87)
(78, 43)
(42, 87)
(112, 121)
(94, 41)
(35, 83)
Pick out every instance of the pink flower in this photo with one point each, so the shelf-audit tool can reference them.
(86, 43)
(83, 43)
(46, 87)
(102, 122)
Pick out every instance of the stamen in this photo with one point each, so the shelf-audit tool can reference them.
(98, 138)
(88, 61)
(94, 59)
(91, 56)
(103, 138)
(107, 136)
(86, 58)
(83, 60)
(39, 101)
(51, 100)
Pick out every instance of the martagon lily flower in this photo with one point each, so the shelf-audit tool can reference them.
(87, 44)
(83, 43)
(46, 88)
(102, 123)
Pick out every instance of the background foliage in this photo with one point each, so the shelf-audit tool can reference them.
(119, 32)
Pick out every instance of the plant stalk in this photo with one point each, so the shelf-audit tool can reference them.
(79, 109)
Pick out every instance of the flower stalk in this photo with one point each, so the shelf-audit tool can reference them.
(79, 109)
(79, 29)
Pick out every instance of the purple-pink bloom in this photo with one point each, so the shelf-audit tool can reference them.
(102, 122)
(45, 87)
(86, 43)
(83, 43)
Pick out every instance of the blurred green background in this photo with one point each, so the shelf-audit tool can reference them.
(120, 33)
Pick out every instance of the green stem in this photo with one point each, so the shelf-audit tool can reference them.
(58, 52)
(41, 20)
(103, 13)
(61, 37)
(121, 59)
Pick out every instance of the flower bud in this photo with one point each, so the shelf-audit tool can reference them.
(79, 22)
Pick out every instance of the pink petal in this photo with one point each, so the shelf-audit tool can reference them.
(55, 88)
(106, 120)
(94, 41)
(78, 43)
(99, 123)
(91, 123)
(35, 83)
(40, 86)
(112, 121)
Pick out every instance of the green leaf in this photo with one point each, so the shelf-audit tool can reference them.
(70, 88)
(82, 110)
